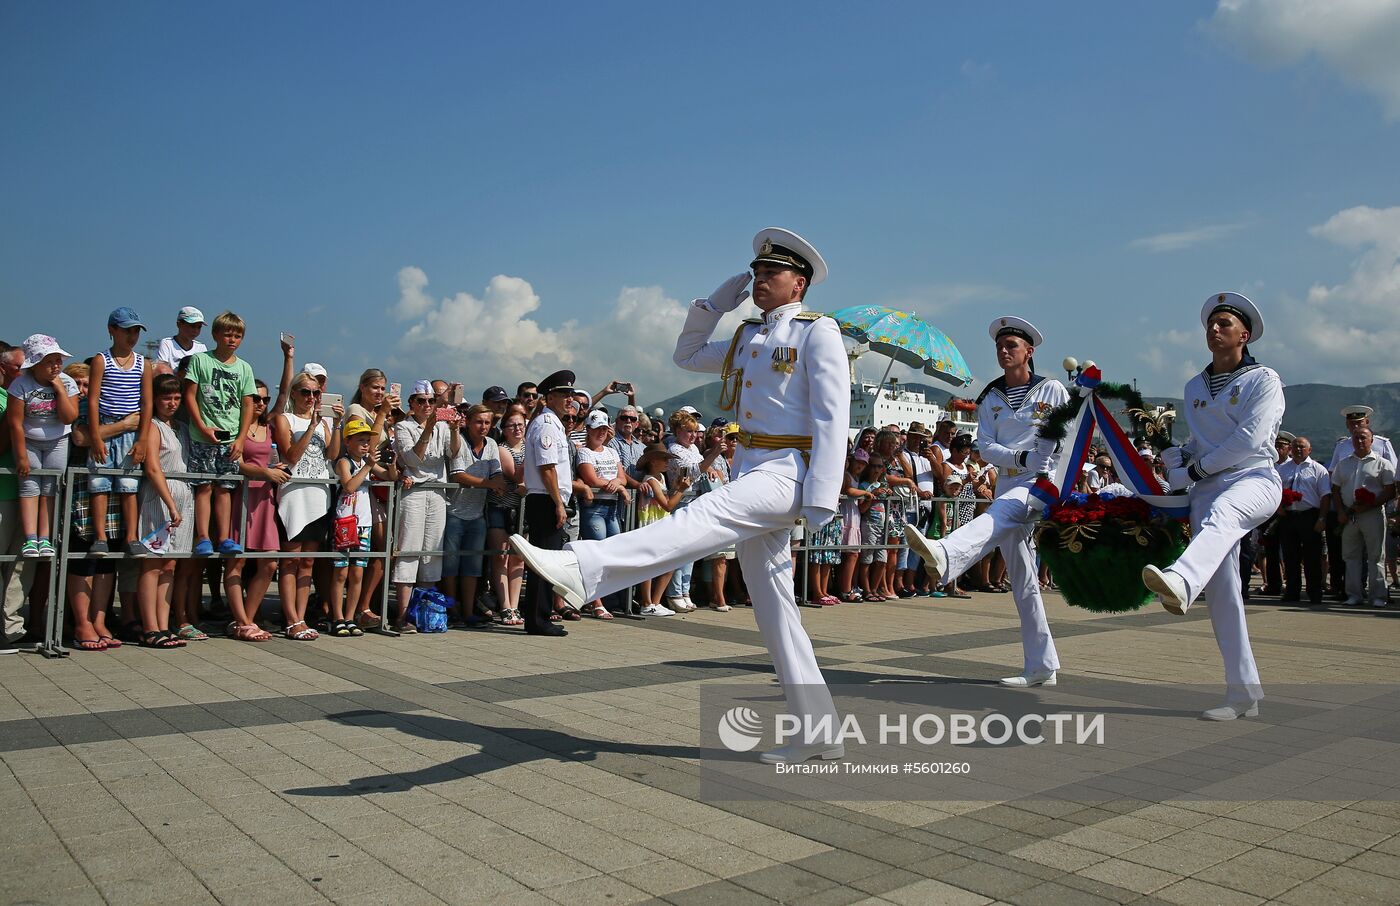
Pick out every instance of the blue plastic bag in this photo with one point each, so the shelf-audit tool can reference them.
(427, 609)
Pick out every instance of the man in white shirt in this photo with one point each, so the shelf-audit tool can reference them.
(1303, 521)
(1362, 484)
(1234, 409)
(174, 350)
(549, 482)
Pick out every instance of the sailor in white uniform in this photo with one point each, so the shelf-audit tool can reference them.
(1233, 410)
(1358, 417)
(1009, 413)
(787, 381)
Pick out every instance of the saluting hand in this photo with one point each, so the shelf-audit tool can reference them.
(731, 293)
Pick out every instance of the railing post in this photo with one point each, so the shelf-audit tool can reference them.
(52, 646)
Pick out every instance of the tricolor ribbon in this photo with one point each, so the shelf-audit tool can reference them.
(1132, 469)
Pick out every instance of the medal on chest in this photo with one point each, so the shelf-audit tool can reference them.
(1234, 394)
(784, 357)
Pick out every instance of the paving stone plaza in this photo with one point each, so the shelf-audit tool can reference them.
(491, 767)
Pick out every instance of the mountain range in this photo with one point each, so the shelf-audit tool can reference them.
(1313, 410)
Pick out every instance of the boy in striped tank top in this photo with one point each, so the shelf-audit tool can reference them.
(119, 392)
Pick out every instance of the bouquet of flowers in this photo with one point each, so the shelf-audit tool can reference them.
(1364, 497)
(1097, 544)
(1291, 497)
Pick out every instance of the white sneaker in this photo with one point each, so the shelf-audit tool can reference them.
(795, 754)
(1026, 680)
(558, 568)
(1232, 710)
(657, 610)
(1170, 588)
(931, 552)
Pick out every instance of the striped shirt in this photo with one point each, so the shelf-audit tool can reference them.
(121, 388)
(1217, 382)
(1015, 396)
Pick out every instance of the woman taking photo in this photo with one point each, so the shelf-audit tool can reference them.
(373, 404)
(426, 446)
(690, 464)
(306, 443)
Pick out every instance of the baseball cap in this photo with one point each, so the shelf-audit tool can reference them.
(356, 426)
(125, 317)
(494, 395)
(190, 315)
(314, 369)
(597, 419)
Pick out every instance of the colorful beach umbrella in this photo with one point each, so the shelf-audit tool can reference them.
(906, 339)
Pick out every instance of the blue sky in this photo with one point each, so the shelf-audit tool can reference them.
(485, 192)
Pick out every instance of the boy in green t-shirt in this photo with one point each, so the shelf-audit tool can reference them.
(219, 393)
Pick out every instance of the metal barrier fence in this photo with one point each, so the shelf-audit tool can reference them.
(68, 480)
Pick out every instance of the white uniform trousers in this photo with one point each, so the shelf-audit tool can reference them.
(1363, 546)
(1224, 508)
(1007, 524)
(755, 513)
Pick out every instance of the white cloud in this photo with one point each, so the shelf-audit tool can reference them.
(1347, 333)
(1355, 38)
(497, 338)
(1175, 242)
(974, 71)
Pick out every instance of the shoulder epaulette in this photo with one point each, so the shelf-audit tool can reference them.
(808, 316)
(753, 320)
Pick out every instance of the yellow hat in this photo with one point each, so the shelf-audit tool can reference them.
(356, 426)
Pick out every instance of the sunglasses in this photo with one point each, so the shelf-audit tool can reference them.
(264, 400)
(417, 400)
(529, 396)
(305, 391)
(627, 418)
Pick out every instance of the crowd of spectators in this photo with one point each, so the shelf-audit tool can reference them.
(296, 487)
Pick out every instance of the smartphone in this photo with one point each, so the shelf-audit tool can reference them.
(223, 437)
(624, 387)
(329, 400)
(287, 338)
(446, 413)
(454, 394)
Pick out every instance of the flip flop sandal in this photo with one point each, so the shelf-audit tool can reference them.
(111, 642)
(90, 644)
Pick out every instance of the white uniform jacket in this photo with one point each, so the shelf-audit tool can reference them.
(1004, 433)
(1381, 446)
(1234, 430)
(795, 381)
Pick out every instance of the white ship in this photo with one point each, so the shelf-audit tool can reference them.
(887, 404)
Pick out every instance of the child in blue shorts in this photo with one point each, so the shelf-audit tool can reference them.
(119, 387)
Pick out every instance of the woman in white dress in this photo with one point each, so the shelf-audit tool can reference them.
(306, 442)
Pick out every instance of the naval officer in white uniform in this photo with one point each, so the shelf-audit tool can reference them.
(1358, 417)
(1009, 413)
(1233, 410)
(786, 380)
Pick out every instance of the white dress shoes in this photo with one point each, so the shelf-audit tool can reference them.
(558, 568)
(795, 754)
(931, 552)
(1033, 678)
(1232, 710)
(1170, 588)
